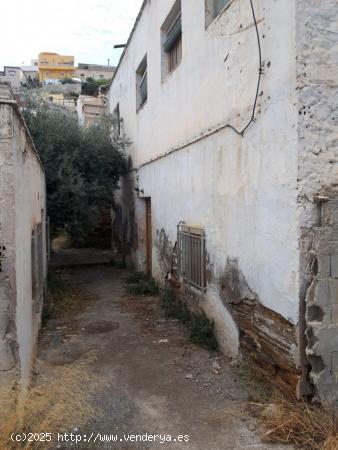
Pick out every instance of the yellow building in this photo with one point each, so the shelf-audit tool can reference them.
(53, 67)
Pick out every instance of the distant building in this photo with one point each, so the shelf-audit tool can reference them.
(63, 95)
(54, 67)
(96, 71)
(12, 75)
(31, 72)
(91, 109)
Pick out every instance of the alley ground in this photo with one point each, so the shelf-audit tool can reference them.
(155, 380)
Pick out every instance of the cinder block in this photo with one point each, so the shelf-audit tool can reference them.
(334, 314)
(327, 340)
(324, 266)
(321, 292)
(333, 291)
(334, 366)
(334, 266)
(330, 212)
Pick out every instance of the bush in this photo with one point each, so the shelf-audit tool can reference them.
(82, 166)
(136, 277)
(201, 328)
(142, 285)
(309, 427)
(202, 331)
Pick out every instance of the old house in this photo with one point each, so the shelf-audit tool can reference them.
(23, 253)
(90, 109)
(232, 110)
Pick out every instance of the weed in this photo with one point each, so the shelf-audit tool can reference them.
(173, 307)
(121, 264)
(306, 426)
(136, 277)
(202, 331)
(57, 290)
(55, 404)
(201, 328)
(146, 287)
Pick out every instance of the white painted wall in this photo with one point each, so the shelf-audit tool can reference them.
(242, 191)
(30, 210)
(26, 205)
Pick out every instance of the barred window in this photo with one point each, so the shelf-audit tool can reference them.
(191, 256)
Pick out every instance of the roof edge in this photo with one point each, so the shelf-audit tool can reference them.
(129, 38)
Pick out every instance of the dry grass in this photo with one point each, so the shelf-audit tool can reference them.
(56, 403)
(303, 425)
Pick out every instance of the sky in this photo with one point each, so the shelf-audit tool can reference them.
(86, 29)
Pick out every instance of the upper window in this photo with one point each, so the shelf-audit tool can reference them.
(117, 120)
(141, 83)
(171, 33)
(213, 8)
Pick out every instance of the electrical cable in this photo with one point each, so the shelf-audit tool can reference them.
(228, 125)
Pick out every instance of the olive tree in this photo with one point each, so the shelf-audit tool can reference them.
(82, 166)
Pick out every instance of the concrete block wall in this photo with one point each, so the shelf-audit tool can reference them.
(322, 305)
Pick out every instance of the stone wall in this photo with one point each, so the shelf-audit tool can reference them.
(322, 305)
(317, 104)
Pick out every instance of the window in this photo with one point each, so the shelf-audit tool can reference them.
(171, 33)
(37, 266)
(12, 73)
(117, 120)
(191, 256)
(173, 44)
(213, 8)
(141, 83)
(219, 5)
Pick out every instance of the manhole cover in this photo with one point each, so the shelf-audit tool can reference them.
(101, 326)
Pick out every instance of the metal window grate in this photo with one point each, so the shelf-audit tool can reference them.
(191, 256)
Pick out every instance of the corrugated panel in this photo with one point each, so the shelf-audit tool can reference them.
(173, 34)
(219, 5)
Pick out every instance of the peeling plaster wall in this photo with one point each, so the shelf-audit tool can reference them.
(242, 191)
(317, 103)
(7, 241)
(22, 206)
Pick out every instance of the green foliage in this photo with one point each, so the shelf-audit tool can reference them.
(92, 86)
(202, 331)
(173, 307)
(201, 328)
(82, 166)
(31, 83)
(141, 284)
(67, 81)
(136, 277)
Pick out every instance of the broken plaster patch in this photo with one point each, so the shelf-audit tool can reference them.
(233, 285)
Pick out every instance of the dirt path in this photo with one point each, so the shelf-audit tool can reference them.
(157, 382)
